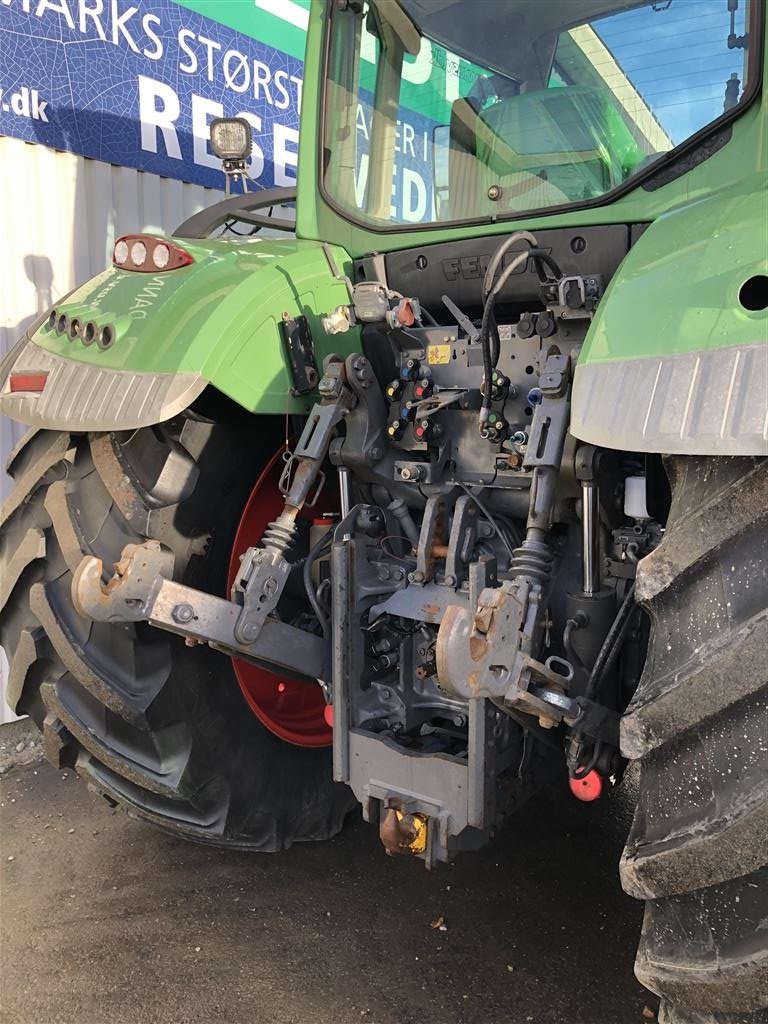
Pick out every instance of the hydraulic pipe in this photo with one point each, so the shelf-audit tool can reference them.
(590, 538)
(344, 493)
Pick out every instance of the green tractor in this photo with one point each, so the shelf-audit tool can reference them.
(458, 487)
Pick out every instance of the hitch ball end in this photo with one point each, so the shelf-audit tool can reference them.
(123, 598)
(87, 591)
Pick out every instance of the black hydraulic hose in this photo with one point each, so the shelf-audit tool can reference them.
(488, 323)
(583, 772)
(570, 626)
(612, 643)
(492, 350)
(544, 257)
(518, 261)
(314, 554)
(485, 327)
(495, 342)
(487, 358)
(606, 656)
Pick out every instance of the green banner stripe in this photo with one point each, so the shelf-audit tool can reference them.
(244, 16)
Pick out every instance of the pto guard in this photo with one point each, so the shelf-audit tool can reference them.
(172, 334)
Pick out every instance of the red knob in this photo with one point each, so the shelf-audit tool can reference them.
(589, 788)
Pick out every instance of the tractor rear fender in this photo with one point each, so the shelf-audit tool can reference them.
(216, 321)
(675, 360)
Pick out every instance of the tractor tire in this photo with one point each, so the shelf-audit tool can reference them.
(698, 723)
(153, 725)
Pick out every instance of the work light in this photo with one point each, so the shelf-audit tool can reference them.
(231, 138)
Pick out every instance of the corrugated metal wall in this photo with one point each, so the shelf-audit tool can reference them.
(59, 217)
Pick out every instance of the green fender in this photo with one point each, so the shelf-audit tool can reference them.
(674, 360)
(215, 321)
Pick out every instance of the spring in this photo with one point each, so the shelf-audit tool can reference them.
(280, 534)
(533, 558)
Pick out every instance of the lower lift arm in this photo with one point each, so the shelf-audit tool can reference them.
(142, 588)
(140, 592)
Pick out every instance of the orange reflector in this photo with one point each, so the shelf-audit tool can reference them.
(328, 715)
(589, 788)
(28, 381)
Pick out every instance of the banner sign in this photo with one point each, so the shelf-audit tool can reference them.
(137, 84)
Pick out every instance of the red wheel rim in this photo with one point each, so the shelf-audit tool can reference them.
(293, 711)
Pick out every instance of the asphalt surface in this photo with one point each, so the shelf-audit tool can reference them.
(106, 920)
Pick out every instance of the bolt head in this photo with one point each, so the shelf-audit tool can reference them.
(183, 613)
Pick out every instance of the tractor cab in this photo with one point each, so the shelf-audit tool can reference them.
(447, 112)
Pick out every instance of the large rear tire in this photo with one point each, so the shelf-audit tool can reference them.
(153, 725)
(697, 850)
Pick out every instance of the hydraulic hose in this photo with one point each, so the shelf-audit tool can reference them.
(488, 329)
(612, 643)
(485, 328)
(490, 274)
(498, 256)
(607, 654)
(542, 257)
(314, 554)
(491, 288)
(578, 622)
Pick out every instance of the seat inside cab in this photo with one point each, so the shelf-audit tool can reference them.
(536, 149)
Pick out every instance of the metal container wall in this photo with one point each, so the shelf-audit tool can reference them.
(59, 217)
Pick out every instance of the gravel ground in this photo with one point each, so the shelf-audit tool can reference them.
(105, 921)
(20, 744)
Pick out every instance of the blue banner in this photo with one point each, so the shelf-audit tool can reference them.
(138, 84)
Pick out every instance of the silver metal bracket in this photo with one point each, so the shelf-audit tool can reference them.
(257, 589)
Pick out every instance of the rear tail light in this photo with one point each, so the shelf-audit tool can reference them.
(138, 255)
(149, 255)
(27, 381)
(120, 254)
